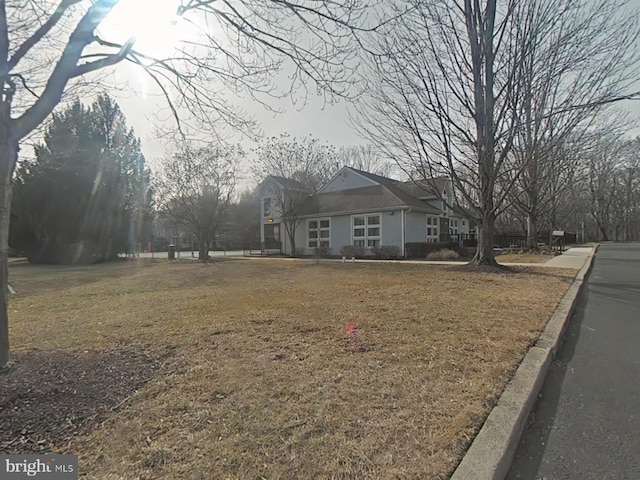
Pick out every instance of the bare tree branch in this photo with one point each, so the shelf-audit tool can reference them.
(80, 38)
(45, 28)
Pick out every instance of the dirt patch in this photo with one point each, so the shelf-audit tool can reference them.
(50, 397)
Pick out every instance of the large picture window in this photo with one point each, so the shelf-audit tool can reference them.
(366, 230)
(319, 233)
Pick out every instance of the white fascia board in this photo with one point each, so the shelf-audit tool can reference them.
(372, 210)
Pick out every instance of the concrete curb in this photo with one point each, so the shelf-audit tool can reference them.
(492, 451)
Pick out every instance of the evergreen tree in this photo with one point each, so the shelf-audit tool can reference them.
(86, 196)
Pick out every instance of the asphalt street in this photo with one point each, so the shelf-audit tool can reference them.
(586, 424)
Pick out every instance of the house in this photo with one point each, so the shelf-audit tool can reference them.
(360, 209)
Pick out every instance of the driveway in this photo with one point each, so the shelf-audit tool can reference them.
(586, 424)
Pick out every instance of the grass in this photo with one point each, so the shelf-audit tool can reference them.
(524, 258)
(264, 378)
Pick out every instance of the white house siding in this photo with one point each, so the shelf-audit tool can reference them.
(463, 226)
(340, 234)
(341, 231)
(415, 227)
(346, 180)
(391, 235)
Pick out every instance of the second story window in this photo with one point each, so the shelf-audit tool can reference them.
(267, 210)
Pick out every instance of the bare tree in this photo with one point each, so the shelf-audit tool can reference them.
(630, 200)
(194, 191)
(306, 160)
(614, 186)
(438, 107)
(46, 49)
(366, 158)
(298, 168)
(288, 196)
(603, 161)
(448, 94)
(577, 60)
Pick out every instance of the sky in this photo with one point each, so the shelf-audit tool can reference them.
(327, 122)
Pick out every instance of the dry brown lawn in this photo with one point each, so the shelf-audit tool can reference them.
(523, 258)
(262, 376)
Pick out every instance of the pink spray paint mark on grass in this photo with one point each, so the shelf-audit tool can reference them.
(351, 330)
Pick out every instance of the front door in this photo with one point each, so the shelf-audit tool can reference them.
(444, 230)
(272, 236)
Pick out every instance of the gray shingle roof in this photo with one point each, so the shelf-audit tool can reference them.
(362, 199)
(387, 194)
(424, 188)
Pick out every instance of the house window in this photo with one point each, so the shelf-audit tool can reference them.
(366, 230)
(266, 207)
(319, 233)
(433, 227)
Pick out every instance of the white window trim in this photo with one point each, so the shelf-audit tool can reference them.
(367, 237)
(433, 238)
(264, 213)
(319, 230)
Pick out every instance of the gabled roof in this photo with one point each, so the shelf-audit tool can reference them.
(383, 193)
(400, 189)
(422, 189)
(287, 183)
(362, 199)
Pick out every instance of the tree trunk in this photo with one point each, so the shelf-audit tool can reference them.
(203, 248)
(8, 158)
(292, 242)
(601, 227)
(290, 227)
(532, 234)
(484, 251)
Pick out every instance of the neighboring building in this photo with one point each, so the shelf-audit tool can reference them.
(361, 209)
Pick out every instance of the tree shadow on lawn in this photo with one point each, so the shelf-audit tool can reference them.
(27, 277)
(473, 268)
(49, 397)
(515, 270)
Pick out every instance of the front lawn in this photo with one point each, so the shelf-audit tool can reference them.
(265, 368)
(524, 258)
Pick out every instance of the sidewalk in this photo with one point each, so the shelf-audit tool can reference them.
(574, 257)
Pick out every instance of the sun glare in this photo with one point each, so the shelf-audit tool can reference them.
(154, 24)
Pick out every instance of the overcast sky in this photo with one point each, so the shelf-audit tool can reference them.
(329, 123)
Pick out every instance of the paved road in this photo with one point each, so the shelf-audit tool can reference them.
(586, 425)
